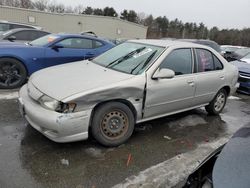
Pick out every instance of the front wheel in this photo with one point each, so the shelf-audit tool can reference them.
(12, 73)
(217, 104)
(113, 124)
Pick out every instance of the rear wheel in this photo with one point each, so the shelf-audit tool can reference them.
(12, 73)
(217, 104)
(113, 124)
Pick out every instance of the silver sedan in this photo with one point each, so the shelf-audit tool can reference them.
(134, 82)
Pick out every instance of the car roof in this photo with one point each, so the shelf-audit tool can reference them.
(33, 26)
(169, 43)
(232, 167)
(24, 29)
(79, 35)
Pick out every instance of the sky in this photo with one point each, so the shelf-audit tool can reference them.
(224, 14)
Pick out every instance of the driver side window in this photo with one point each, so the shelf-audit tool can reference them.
(179, 60)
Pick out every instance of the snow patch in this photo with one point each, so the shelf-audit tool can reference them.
(172, 171)
(189, 121)
(234, 98)
(94, 152)
(7, 96)
(65, 162)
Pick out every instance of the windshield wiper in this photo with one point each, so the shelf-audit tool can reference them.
(28, 43)
(145, 63)
(125, 57)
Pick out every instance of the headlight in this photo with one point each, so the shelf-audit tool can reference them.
(49, 102)
(57, 106)
(66, 107)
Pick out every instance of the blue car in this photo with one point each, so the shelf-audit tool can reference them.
(244, 76)
(18, 61)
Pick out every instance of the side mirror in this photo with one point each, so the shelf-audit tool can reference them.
(163, 73)
(56, 47)
(11, 38)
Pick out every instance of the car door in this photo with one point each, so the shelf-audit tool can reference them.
(170, 95)
(210, 76)
(69, 50)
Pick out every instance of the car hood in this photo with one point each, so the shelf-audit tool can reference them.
(4, 44)
(247, 60)
(60, 82)
(242, 66)
(233, 164)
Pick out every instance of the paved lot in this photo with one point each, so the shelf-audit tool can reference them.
(162, 151)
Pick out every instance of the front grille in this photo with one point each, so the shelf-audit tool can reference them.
(244, 77)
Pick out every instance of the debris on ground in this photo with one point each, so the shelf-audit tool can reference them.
(143, 127)
(167, 137)
(129, 159)
(65, 162)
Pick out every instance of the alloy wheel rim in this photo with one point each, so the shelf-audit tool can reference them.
(10, 74)
(114, 124)
(220, 101)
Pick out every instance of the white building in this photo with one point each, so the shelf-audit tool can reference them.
(103, 26)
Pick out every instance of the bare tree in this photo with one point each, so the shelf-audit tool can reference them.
(26, 4)
(40, 5)
(79, 9)
(53, 7)
(69, 9)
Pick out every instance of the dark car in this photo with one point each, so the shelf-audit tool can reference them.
(226, 167)
(22, 35)
(18, 61)
(236, 55)
(244, 76)
(5, 26)
(209, 43)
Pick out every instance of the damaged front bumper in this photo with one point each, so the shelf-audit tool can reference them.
(58, 127)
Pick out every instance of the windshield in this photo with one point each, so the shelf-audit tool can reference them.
(129, 57)
(44, 40)
(230, 49)
(247, 56)
(243, 52)
(4, 26)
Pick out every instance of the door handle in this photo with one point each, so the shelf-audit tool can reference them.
(222, 77)
(90, 53)
(191, 83)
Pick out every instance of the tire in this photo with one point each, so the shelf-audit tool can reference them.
(13, 74)
(112, 124)
(218, 103)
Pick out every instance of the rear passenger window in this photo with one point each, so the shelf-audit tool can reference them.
(217, 64)
(206, 61)
(180, 61)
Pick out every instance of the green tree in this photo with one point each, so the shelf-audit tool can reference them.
(88, 11)
(124, 15)
(98, 11)
(109, 11)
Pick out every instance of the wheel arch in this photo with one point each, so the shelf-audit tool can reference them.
(123, 101)
(227, 89)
